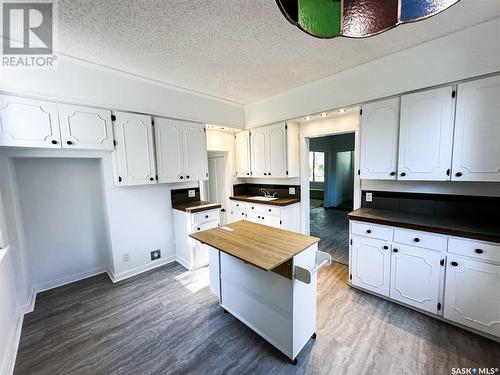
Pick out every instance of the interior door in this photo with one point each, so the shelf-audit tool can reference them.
(476, 154)
(217, 184)
(277, 151)
(370, 266)
(426, 135)
(195, 151)
(379, 140)
(85, 128)
(169, 151)
(28, 123)
(258, 152)
(242, 149)
(415, 275)
(133, 157)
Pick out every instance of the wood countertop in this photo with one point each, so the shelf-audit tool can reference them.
(260, 245)
(196, 206)
(275, 202)
(485, 230)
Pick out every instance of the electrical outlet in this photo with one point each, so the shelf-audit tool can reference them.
(291, 190)
(156, 254)
(369, 197)
(126, 257)
(191, 193)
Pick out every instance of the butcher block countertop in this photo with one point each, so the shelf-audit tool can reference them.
(275, 202)
(260, 245)
(486, 230)
(196, 206)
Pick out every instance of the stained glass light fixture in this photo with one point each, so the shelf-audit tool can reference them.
(357, 18)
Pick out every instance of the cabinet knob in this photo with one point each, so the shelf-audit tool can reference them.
(479, 251)
(151, 179)
(54, 142)
(265, 174)
(248, 174)
(269, 174)
(206, 216)
(454, 264)
(253, 207)
(269, 210)
(458, 174)
(368, 231)
(403, 174)
(181, 177)
(198, 228)
(386, 247)
(395, 250)
(258, 217)
(69, 143)
(393, 173)
(262, 217)
(243, 213)
(416, 239)
(187, 176)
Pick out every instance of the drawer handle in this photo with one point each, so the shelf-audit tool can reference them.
(403, 174)
(395, 250)
(386, 247)
(454, 264)
(458, 174)
(416, 239)
(262, 217)
(368, 231)
(198, 228)
(206, 216)
(479, 251)
(269, 210)
(393, 173)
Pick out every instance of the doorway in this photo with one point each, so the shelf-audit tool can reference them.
(216, 184)
(331, 192)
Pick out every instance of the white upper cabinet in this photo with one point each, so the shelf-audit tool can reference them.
(476, 151)
(259, 151)
(426, 135)
(277, 143)
(379, 140)
(181, 150)
(28, 123)
(133, 157)
(242, 151)
(85, 128)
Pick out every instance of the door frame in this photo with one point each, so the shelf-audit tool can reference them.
(305, 134)
(228, 178)
(224, 156)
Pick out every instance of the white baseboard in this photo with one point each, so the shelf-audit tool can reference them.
(68, 279)
(183, 262)
(8, 361)
(136, 271)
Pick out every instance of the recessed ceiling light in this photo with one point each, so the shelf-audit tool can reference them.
(324, 114)
(307, 118)
(341, 110)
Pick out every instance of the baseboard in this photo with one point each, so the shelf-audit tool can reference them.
(183, 263)
(136, 271)
(68, 279)
(8, 362)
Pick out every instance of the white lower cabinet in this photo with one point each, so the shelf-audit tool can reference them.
(370, 264)
(472, 294)
(415, 276)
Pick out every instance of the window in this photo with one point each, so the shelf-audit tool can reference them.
(316, 166)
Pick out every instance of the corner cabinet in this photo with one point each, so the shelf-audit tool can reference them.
(274, 151)
(476, 151)
(181, 150)
(133, 157)
(242, 150)
(379, 140)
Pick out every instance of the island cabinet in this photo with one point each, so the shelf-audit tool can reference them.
(267, 278)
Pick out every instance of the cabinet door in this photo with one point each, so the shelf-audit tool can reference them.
(472, 294)
(133, 156)
(254, 217)
(85, 128)
(242, 148)
(379, 140)
(277, 150)
(476, 155)
(258, 152)
(426, 135)
(169, 151)
(272, 221)
(28, 123)
(370, 268)
(415, 275)
(195, 151)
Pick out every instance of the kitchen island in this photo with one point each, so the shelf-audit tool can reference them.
(267, 278)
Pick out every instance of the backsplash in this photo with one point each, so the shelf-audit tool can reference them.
(182, 195)
(282, 191)
(444, 205)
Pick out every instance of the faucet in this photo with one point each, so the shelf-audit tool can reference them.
(267, 194)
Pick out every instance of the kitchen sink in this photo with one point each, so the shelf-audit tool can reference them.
(261, 198)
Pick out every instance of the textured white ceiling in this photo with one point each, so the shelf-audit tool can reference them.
(240, 50)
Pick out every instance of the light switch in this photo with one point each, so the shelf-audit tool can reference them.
(369, 197)
(291, 191)
(191, 193)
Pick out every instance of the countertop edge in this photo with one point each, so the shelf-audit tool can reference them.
(271, 203)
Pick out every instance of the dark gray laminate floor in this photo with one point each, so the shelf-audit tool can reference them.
(167, 322)
(332, 226)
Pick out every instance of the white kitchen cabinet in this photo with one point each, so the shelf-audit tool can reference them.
(415, 277)
(181, 150)
(28, 123)
(133, 157)
(472, 294)
(370, 264)
(85, 127)
(274, 151)
(242, 150)
(379, 140)
(284, 217)
(426, 135)
(476, 151)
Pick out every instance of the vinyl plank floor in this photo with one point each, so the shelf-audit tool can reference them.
(166, 321)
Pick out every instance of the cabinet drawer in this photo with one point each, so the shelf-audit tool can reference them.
(238, 205)
(372, 230)
(269, 210)
(239, 215)
(475, 249)
(202, 217)
(420, 239)
(205, 226)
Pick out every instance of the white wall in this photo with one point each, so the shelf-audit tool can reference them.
(465, 54)
(62, 209)
(86, 83)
